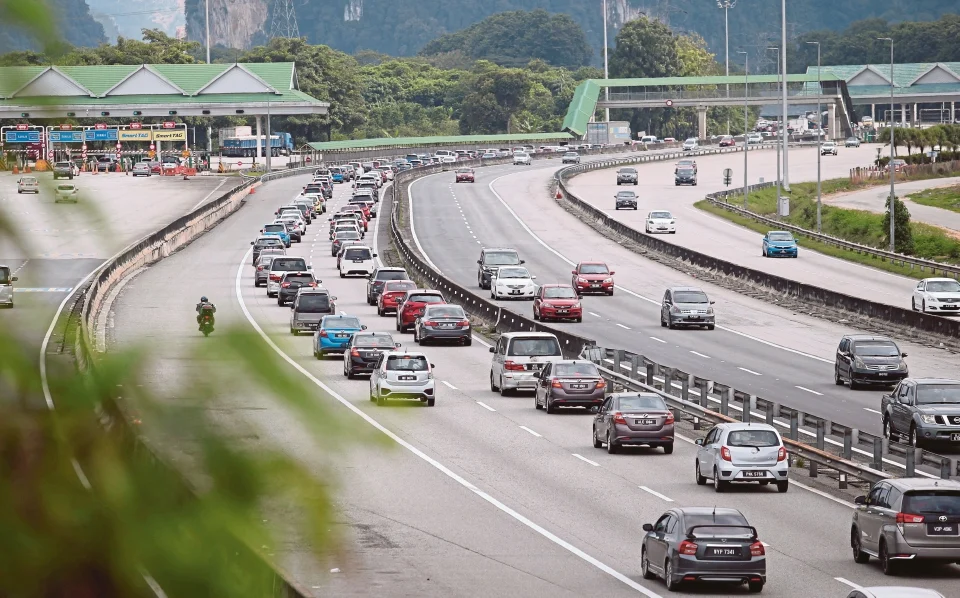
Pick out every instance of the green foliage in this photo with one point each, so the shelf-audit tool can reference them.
(944, 136)
(156, 47)
(517, 37)
(946, 198)
(903, 235)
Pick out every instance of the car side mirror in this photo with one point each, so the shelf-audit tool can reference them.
(14, 278)
(493, 349)
(574, 272)
(479, 262)
(310, 267)
(363, 327)
(523, 261)
(251, 242)
(698, 442)
(375, 255)
(903, 355)
(860, 500)
(533, 278)
(396, 345)
(612, 273)
(432, 366)
(291, 306)
(712, 302)
(647, 527)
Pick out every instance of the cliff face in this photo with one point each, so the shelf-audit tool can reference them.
(129, 17)
(76, 25)
(232, 24)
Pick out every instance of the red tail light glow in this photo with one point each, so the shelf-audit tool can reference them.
(725, 454)
(670, 419)
(323, 333)
(908, 518)
(512, 366)
(285, 285)
(782, 454)
(429, 323)
(275, 277)
(555, 383)
(354, 353)
(688, 548)
(463, 323)
(618, 418)
(601, 384)
(756, 549)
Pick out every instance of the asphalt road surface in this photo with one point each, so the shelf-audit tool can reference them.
(874, 200)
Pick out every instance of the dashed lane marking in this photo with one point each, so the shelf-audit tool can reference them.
(622, 326)
(449, 385)
(42, 290)
(750, 371)
(805, 389)
(485, 406)
(531, 431)
(659, 340)
(584, 459)
(700, 355)
(657, 494)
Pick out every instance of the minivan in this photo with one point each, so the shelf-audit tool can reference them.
(518, 358)
(281, 265)
(309, 307)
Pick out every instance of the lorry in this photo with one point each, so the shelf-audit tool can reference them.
(615, 132)
(245, 146)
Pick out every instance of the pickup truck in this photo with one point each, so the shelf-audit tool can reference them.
(627, 176)
(63, 169)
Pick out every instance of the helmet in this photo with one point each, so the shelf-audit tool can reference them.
(203, 299)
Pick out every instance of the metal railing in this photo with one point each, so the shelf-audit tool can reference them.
(720, 93)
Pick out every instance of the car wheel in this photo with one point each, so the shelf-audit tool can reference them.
(548, 404)
(597, 443)
(886, 564)
(645, 566)
(294, 332)
(536, 316)
(493, 386)
(670, 323)
(859, 556)
(612, 447)
(672, 585)
(668, 449)
(923, 307)
(701, 481)
(379, 311)
(468, 341)
(853, 383)
(718, 484)
(912, 439)
(836, 376)
(537, 405)
(280, 301)
(430, 402)
(381, 401)
(711, 326)
(503, 391)
(755, 587)
(888, 430)
(321, 354)
(783, 486)
(913, 303)
(663, 323)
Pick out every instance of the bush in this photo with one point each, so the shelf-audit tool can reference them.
(903, 241)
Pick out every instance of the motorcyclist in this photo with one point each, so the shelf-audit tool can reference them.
(205, 307)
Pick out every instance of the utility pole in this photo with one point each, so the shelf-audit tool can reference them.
(746, 143)
(819, 137)
(783, 61)
(892, 146)
(726, 5)
(209, 128)
(606, 67)
(780, 129)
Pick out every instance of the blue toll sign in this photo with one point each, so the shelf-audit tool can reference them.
(22, 136)
(100, 135)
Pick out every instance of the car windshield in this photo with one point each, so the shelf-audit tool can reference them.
(943, 286)
(358, 253)
(391, 275)
(718, 519)
(594, 269)
(64, 187)
(628, 170)
(265, 260)
(571, 154)
(685, 172)
(445, 311)
(578, 370)
(501, 258)
(312, 303)
(755, 438)
(426, 298)
(341, 323)
(530, 347)
(4, 275)
(347, 234)
(780, 236)
(63, 165)
(928, 394)
(852, 139)
(274, 228)
(298, 278)
(876, 349)
(272, 242)
(380, 341)
(664, 215)
(642, 402)
(941, 502)
(407, 363)
(626, 194)
(29, 180)
(513, 273)
(288, 264)
(520, 154)
(464, 171)
(690, 297)
(685, 163)
(559, 293)
(399, 286)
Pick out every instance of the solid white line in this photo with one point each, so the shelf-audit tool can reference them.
(593, 314)
(872, 410)
(531, 431)
(659, 340)
(750, 371)
(818, 492)
(428, 459)
(485, 406)
(810, 391)
(413, 229)
(448, 384)
(848, 582)
(582, 458)
(622, 326)
(657, 494)
(204, 200)
(700, 355)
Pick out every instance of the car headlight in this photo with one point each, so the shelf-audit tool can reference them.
(710, 311)
(650, 222)
(928, 419)
(576, 306)
(857, 362)
(583, 280)
(608, 280)
(933, 300)
(673, 222)
(430, 376)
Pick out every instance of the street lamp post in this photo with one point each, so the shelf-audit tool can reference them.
(892, 146)
(726, 5)
(819, 134)
(783, 61)
(780, 129)
(606, 67)
(746, 142)
(209, 128)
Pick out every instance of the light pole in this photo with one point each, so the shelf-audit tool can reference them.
(892, 145)
(819, 134)
(606, 67)
(726, 5)
(209, 128)
(746, 142)
(780, 129)
(783, 61)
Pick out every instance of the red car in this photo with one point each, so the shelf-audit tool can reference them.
(557, 302)
(392, 294)
(412, 304)
(358, 210)
(592, 277)
(727, 141)
(465, 175)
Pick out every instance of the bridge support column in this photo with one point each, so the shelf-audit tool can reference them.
(953, 113)
(258, 154)
(873, 113)
(702, 122)
(916, 120)
(831, 121)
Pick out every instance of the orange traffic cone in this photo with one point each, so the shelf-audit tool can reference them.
(559, 195)
(15, 169)
(253, 190)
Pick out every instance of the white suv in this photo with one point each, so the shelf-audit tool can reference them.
(518, 358)
(403, 375)
(357, 259)
(742, 452)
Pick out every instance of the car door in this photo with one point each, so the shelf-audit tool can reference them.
(665, 307)
(873, 517)
(843, 358)
(537, 300)
(657, 542)
(497, 366)
(600, 419)
(705, 453)
(766, 242)
(375, 375)
(902, 415)
(918, 294)
(543, 381)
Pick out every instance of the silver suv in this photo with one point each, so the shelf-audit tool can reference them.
(63, 170)
(742, 452)
(907, 520)
(686, 306)
(518, 358)
(627, 176)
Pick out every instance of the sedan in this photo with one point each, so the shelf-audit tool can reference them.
(626, 200)
(442, 322)
(851, 142)
(557, 302)
(571, 158)
(334, 333)
(364, 351)
(690, 145)
(141, 169)
(568, 383)
(937, 295)
(66, 192)
(661, 221)
(828, 148)
(28, 184)
(634, 419)
(512, 282)
(522, 158)
(349, 235)
(778, 243)
(592, 277)
(727, 141)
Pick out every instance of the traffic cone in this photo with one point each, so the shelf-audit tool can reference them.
(253, 191)
(15, 169)
(559, 194)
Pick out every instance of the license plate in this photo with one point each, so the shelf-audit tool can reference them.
(661, 228)
(357, 261)
(408, 377)
(516, 292)
(694, 317)
(716, 551)
(754, 474)
(342, 336)
(447, 325)
(955, 437)
(563, 311)
(941, 529)
(595, 286)
(645, 422)
(578, 386)
(882, 374)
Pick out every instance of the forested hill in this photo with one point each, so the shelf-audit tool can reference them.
(76, 26)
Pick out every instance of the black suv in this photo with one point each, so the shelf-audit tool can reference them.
(685, 176)
(926, 410)
(291, 283)
(491, 260)
(626, 200)
(627, 176)
(380, 276)
(863, 359)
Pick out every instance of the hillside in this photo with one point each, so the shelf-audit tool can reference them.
(77, 27)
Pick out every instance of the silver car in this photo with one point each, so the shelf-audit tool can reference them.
(28, 184)
(141, 169)
(522, 158)
(894, 592)
(518, 358)
(686, 306)
(262, 273)
(65, 192)
(403, 375)
(6, 286)
(309, 307)
(742, 452)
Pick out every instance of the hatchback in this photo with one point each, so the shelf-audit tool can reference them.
(292, 282)
(557, 302)
(364, 351)
(392, 295)
(264, 242)
(568, 383)
(686, 306)
(6, 286)
(309, 307)
(442, 322)
(66, 192)
(333, 334)
(592, 277)
(864, 359)
(634, 419)
(412, 305)
(378, 278)
(465, 175)
(277, 230)
(742, 452)
(779, 243)
(403, 375)
(626, 200)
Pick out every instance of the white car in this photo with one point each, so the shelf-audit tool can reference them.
(66, 192)
(357, 260)
(690, 144)
(852, 142)
(828, 148)
(345, 227)
(742, 452)
(512, 282)
(447, 160)
(754, 138)
(489, 155)
(661, 221)
(404, 375)
(389, 171)
(937, 295)
(375, 178)
(522, 158)
(6, 286)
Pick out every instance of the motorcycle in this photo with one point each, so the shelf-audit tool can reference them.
(206, 324)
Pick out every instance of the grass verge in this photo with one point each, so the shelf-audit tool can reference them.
(946, 198)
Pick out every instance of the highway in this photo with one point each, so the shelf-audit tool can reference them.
(874, 200)
(481, 495)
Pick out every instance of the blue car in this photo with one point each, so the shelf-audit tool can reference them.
(337, 176)
(334, 333)
(277, 230)
(779, 244)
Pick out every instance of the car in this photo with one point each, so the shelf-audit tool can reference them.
(262, 269)
(379, 277)
(364, 351)
(170, 163)
(685, 163)
(649, 139)
(493, 258)
(568, 383)
(512, 282)
(926, 410)
(557, 302)
(905, 521)
(627, 176)
(392, 294)
(340, 237)
(141, 169)
(28, 184)
(868, 360)
(309, 306)
(570, 158)
(937, 295)
(346, 218)
(742, 452)
(366, 203)
(362, 217)
(280, 266)
(277, 230)
(685, 176)
(754, 138)
(310, 203)
(357, 259)
(686, 306)
(828, 148)
(6, 286)
(779, 243)
(660, 221)
(711, 544)
(292, 228)
(691, 144)
(522, 158)
(333, 334)
(292, 282)
(412, 304)
(518, 358)
(65, 192)
(898, 165)
(626, 200)
(727, 141)
(633, 419)
(262, 243)
(443, 322)
(852, 142)
(406, 375)
(106, 164)
(63, 170)
(894, 592)
(592, 277)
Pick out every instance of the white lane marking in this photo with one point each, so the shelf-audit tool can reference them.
(750, 371)
(657, 494)
(848, 583)
(376, 234)
(700, 355)
(593, 314)
(204, 200)
(622, 326)
(413, 229)
(765, 545)
(448, 384)
(872, 410)
(819, 492)
(659, 340)
(25, 262)
(531, 431)
(485, 406)
(430, 460)
(582, 458)
(804, 388)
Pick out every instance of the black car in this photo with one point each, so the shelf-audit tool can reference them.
(491, 260)
(364, 350)
(627, 176)
(925, 410)
(863, 359)
(442, 323)
(290, 285)
(378, 278)
(685, 176)
(709, 544)
(626, 200)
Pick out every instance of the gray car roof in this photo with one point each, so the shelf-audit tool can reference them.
(924, 484)
(674, 289)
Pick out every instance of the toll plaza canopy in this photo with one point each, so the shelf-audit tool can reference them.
(452, 140)
(251, 89)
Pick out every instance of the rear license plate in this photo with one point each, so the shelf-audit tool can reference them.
(955, 437)
(447, 325)
(357, 261)
(719, 551)
(578, 386)
(341, 336)
(645, 422)
(754, 474)
(408, 377)
(941, 529)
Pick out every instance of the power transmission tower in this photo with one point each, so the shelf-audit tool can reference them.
(284, 23)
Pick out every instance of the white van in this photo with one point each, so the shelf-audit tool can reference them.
(357, 260)
(648, 139)
(518, 358)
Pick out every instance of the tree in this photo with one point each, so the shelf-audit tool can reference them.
(903, 234)
(155, 48)
(645, 48)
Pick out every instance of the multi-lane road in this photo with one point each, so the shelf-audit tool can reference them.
(484, 495)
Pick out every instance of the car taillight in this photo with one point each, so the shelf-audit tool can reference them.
(554, 382)
(463, 323)
(285, 285)
(908, 518)
(688, 548)
(354, 353)
(619, 419)
(512, 366)
(670, 419)
(429, 323)
(601, 384)
(312, 284)
(725, 454)
(782, 454)
(259, 268)
(323, 333)
(756, 549)
(275, 277)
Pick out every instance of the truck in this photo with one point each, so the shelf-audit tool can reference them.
(245, 146)
(227, 132)
(615, 132)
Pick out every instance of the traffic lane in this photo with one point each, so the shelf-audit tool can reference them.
(874, 200)
(715, 236)
(433, 531)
